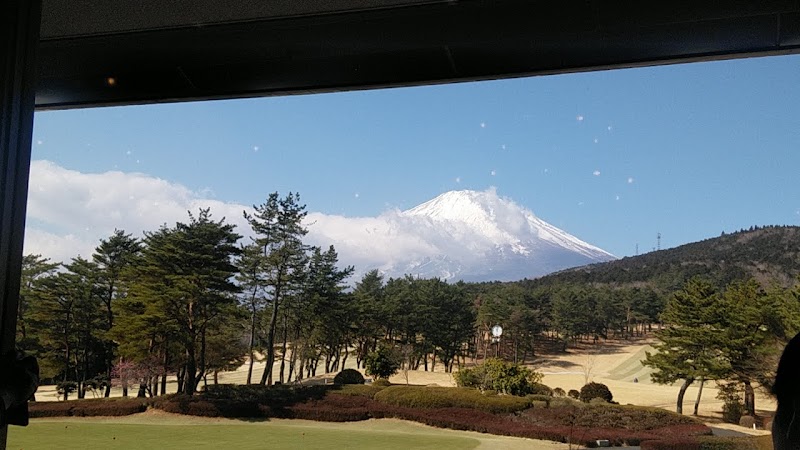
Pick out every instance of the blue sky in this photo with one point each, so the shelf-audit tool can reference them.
(613, 157)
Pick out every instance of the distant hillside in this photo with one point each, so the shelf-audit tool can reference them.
(768, 254)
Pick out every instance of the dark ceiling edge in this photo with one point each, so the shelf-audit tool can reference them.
(437, 43)
(288, 17)
(234, 95)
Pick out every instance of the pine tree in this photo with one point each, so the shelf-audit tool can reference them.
(35, 268)
(185, 275)
(279, 230)
(689, 346)
(113, 257)
(756, 323)
(368, 296)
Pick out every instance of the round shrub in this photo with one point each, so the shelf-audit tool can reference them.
(747, 421)
(541, 389)
(348, 376)
(574, 394)
(595, 390)
(558, 392)
(382, 382)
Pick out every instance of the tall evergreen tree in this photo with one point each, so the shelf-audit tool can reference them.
(35, 269)
(688, 349)
(187, 271)
(279, 231)
(113, 257)
(368, 296)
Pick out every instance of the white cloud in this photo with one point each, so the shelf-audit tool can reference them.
(617, 197)
(609, 128)
(596, 173)
(70, 211)
(458, 179)
(63, 204)
(596, 140)
(579, 118)
(493, 172)
(255, 148)
(357, 195)
(39, 142)
(483, 124)
(630, 180)
(128, 152)
(503, 146)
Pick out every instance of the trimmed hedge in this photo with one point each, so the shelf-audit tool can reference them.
(711, 443)
(362, 390)
(444, 397)
(342, 408)
(633, 418)
(89, 407)
(565, 420)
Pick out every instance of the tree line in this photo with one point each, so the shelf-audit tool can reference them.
(191, 300)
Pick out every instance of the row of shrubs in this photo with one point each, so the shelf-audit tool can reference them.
(337, 406)
(442, 397)
(90, 407)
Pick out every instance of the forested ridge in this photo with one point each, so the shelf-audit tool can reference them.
(769, 254)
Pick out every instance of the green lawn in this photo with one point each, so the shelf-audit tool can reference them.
(89, 434)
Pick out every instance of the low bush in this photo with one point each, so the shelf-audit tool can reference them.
(348, 376)
(280, 395)
(558, 392)
(595, 390)
(671, 444)
(442, 397)
(361, 390)
(50, 409)
(710, 443)
(632, 418)
(560, 402)
(541, 389)
(502, 376)
(381, 382)
(89, 407)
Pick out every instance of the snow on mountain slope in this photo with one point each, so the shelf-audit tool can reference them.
(500, 220)
(459, 235)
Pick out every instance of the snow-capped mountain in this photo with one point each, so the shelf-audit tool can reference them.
(459, 235)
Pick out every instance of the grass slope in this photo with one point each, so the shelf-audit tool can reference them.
(89, 434)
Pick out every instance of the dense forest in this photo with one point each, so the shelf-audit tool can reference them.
(193, 299)
(770, 255)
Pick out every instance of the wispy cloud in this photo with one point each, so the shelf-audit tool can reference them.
(630, 180)
(579, 118)
(596, 173)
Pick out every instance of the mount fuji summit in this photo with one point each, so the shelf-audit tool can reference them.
(466, 235)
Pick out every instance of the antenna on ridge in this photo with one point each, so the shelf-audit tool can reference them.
(658, 241)
(637, 249)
